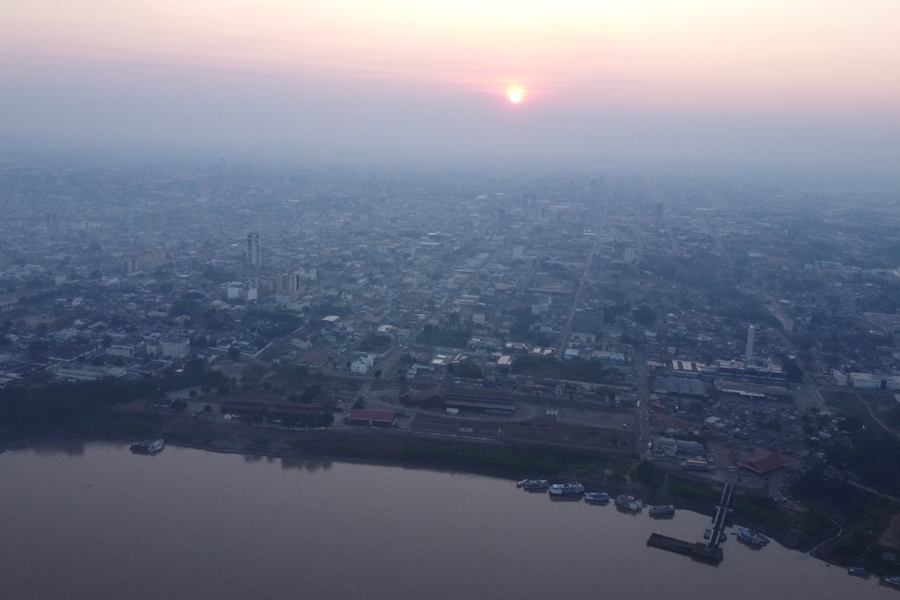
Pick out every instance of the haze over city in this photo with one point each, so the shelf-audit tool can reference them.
(806, 82)
(449, 299)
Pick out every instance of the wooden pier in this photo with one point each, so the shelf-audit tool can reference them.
(709, 552)
(695, 550)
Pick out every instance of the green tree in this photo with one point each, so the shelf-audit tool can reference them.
(645, 316)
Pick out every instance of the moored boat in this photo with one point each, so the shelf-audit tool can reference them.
(662, 510)
(566, 489)
(148, 446)
(892, 580)
(751, 537)
(858, 571)
(629, 503)
(533, 484)
(596, 497)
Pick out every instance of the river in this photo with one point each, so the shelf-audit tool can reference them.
(98, 522)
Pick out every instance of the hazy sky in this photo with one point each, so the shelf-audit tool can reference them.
(793, 79)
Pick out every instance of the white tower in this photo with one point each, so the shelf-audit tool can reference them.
(254, 257)
(751, 334)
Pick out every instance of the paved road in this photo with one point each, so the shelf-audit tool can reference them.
(564, 341)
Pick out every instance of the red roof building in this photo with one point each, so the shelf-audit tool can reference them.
(763, 463)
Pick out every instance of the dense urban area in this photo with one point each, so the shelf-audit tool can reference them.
(661, 334)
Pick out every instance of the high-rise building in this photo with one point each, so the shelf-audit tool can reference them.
(659, 213)
(52, 223)
(751, 335)
(254, 257)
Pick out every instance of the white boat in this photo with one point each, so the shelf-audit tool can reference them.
(566, 489)
(629, 503)
(533, 484)
(892, 580)
(148, 446)
(751, 537)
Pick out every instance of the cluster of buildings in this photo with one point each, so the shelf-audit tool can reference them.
(467, 291)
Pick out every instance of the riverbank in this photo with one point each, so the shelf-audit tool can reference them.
(509, 461)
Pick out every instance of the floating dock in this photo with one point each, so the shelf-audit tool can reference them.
(695, 550)
(708, 552)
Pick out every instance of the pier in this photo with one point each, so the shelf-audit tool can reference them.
(709, 552)
(721, 513)
(695, 550)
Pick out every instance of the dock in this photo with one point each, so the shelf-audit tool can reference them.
(695, 550)
(721, 513)
(708, 552)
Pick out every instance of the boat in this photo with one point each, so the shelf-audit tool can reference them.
(629, 503)
(751, 537)
(148, 446)
(572, 488)
(662, 510)
(533, 484)
(892, 580)
(596, 497)
(858, 571)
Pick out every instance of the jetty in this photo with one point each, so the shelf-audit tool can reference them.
(708, 552)
(696, 550)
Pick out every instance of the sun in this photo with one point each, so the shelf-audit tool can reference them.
(515, 94)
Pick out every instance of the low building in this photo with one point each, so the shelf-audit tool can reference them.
(81, 372)
(243, 407)
(763, 463)
(175, 347)
(362, 364)
(460, 398)
(372, 418)
(754, 391)
(869, 381)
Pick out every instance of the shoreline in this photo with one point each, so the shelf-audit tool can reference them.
(382, 447)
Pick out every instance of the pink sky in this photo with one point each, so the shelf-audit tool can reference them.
(762, 59)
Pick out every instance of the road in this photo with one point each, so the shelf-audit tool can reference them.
(564, 340)
(642, 406)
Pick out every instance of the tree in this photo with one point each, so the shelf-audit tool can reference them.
(377, 374)
(234, 353)
(192, 393)
(469, 370)
(645, 316)
(179, 404)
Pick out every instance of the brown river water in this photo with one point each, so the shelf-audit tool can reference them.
(98, 522)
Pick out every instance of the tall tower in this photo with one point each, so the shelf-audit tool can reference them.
(254, 257)
(52, 223)
(751, 335)
(659, 214)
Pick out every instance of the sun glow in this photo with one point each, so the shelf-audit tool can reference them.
(515, 94)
